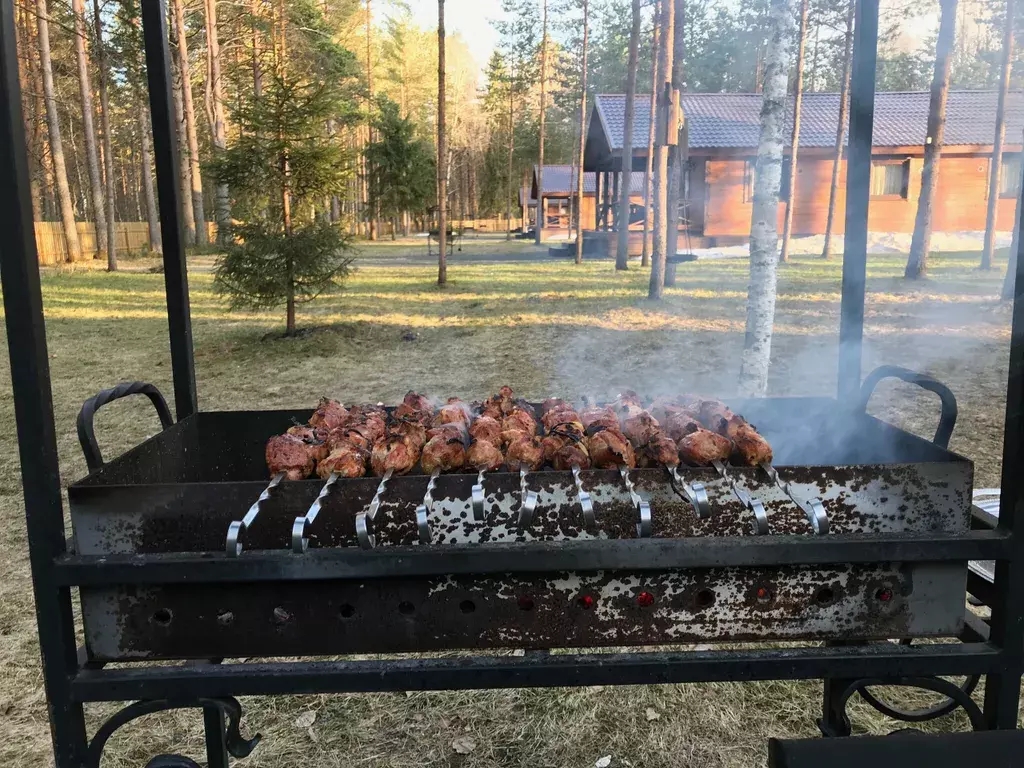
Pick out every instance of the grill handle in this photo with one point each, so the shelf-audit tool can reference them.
(86, 434)
(947, 418)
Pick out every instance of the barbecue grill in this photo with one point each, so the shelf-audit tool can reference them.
(183, 551)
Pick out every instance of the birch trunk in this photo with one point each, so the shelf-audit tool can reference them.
(764, 235)
(676, 154)
(794, 141)
(920, 244)
(442, 180)
(542, 213)
(997, 145)
(188, 109)
(645, 253)
(92, 160)
(218, 124)
(60, 171)
(626, 167)
(657, 281)
(184, 170)
(837, 154)
(108, 153)
(583, 136)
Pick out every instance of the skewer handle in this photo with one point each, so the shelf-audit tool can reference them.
(528, 500)
(696, 493)
(233, 543)
(815, 511)
(478, 498)
(643, 508)
(423, 510)
(586, 503)
(364, 520)
(299, 541)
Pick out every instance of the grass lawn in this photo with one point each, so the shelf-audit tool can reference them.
(544, 328)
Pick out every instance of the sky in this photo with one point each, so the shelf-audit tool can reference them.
(472, 18)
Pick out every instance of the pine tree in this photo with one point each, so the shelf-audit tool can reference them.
(400, 167)
(99, 213)
(844, 108)
(995, 167)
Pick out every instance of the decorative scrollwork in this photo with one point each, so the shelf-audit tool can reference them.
(957, 697)
(236, 745)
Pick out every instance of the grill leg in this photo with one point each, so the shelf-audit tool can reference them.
(833, 720)
(216, 748)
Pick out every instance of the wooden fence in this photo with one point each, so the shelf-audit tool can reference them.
(129, 236)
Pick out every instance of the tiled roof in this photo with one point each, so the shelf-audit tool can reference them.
(733, 119)
(561, 180)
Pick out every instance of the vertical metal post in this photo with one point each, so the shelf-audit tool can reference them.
(858, 192)
(165, 154)
(33, 410)
(216, 749)
(1002, 691)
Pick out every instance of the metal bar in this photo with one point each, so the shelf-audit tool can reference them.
(1002, 691)
(33, 410)
(535, 671)
(172, 232)
(216, 748)
(858, 193)
(530, 557)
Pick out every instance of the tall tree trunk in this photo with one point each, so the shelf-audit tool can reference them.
(257, 63)
(108, 153)
(645, 253)
(677, 155)
(88, 129)
(583, 136)
(657, 282)
(542, 213)
(626, 166)
(371, 221)
(764, 235)
(1009, 279)
(794, 139)
(152, 217)
(60, 171)
(218, 124)
(442, 180)
(184, 168)
(511, 151)
(837, 153)
(995, 165)
(33, 113)
(920, 244)
(195, 175)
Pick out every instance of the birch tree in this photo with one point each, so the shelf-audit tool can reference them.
(60, 173)
(920, 244)
(583, 135)
(661, 94)
(218, 123)
(844, 110)
(794, 140)
(995, 165)
(442, 180)
(645, 253)
(189, 114)
(622, 245)
(764, 235)
(108, 150)
(677, 155)
(99, 213)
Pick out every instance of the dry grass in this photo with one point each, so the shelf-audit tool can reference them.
(542, 327)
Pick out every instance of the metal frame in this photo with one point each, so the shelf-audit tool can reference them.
(70, 681)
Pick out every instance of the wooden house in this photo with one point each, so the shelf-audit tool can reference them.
(560, 199)
(723, 130)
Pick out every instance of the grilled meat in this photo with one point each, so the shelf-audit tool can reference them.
(594, 417)
(329, 414)
(498, 406)
(640, 428)
(413, 430)
(484, 455)
(519, 420)
(562, 415)
(715, 415)
(664, 406)
(454, 411)
(628, 397)
(702, 446)
(291, 455)
(526, 451)
(565, 445)
(680, 424)
(609, 449)
(395, 452)
(452, 430)
(659, 451)
(553, 404)
(416, 401)
(486, 428)
(406, 412)
(444, 453)
(749, 447)
(313, 439)
(347, 460)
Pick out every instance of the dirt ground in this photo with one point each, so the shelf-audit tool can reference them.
(544, 327)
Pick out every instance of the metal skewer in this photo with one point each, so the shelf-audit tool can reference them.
(696, 493)
(365, 519)
(643, 528)
(528, 503)
(478, 497)
(299, 541)
(233, 544)
(752, 503)
(586, 504)
(423, 510)
(813, 508)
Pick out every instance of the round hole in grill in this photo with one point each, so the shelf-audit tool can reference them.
(704, 598)
(763, 595)
(884, 594)
(525, 603)
(405, 608)
(824, 596)
(644, 599)
(586, 602)
(467, 606)
(162, 616)
(346, 611)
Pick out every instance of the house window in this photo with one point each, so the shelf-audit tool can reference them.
(749, 180)
(1009, 176)
(889, 179)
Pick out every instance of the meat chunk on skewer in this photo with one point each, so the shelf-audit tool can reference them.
(498, 406)
(486, 428)
(610, 449)
(525, 451)
(395, 452)
(640, 428)
(416, 401)
(452, 430)
(664, 406)
(682, 423)
(346, 460)
(291, 455)
(519, 419)
(413, 430)
(565, 446)
(454, 411)
(317, 446)
(749, 447)
(443, 453)
(702, 446)
(594, 417)
(484, 456)
(659, 451)
(329, 414)
(557, 416)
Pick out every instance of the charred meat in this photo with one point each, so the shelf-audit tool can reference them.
(486, 428)
(610, 449)
(443, 453)
(291, 455)
(329, 414)
(595, 417)
(524, 451)
(346, 460)
(749, 447)
(702, 446)
(453, 412)
(483, 455)
(395, 452)
(659, 451)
